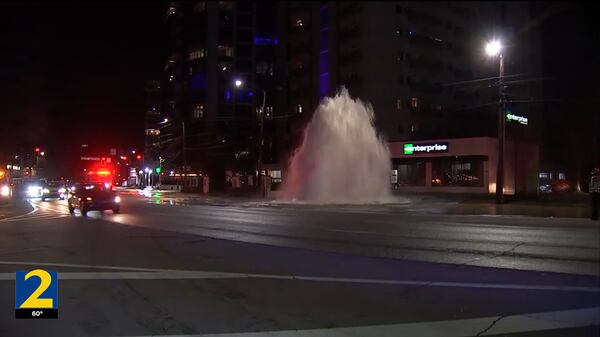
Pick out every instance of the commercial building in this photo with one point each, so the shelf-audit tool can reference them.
(463, 165)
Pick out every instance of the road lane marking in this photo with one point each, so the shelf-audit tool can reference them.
(132, 273)
(541, 321)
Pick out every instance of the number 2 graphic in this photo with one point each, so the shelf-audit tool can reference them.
(34, 300)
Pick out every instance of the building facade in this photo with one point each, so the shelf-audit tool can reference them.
(213, 125)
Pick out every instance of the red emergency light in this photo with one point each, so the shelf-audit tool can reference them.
(103, 172)
(37, 150)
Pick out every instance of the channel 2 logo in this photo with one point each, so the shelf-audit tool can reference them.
(36, 294)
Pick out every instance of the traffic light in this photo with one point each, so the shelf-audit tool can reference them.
(37, 150)
(157, 170)
(138, 157)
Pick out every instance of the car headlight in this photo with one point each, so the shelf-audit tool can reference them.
(33, 191)
(62, 190)
(117, 199)
(88, 198)
(4, 191)
(45, 191)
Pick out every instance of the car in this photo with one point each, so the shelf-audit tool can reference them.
(93, 197)
(54, 189)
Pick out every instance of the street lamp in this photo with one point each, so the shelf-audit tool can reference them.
(493, 49)
(238, 84)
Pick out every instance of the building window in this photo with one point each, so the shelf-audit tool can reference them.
(225, 51)
(197, 54)
(172, 10)
(198, 111)
(299, 23)
(457, 172)
(398, 104)
(200, 7)
(411, 174)
(414, 102)
(299, 108)
(264, 68)
(275, 176)
(171, 78)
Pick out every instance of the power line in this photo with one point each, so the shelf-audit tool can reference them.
(480, 80)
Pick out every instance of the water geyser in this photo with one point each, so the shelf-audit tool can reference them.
(342, 159)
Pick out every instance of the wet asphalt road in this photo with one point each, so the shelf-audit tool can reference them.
(168, 266)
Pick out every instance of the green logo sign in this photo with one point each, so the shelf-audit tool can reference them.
(510, 117)
(425, 148)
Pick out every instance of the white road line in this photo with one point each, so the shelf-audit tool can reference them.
(125, 273)
(36, 217)
(21, 215)
(451, 328)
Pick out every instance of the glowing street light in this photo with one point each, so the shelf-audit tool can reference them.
(493, 48)
(238, 83)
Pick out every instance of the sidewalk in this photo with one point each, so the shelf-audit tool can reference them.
(570, 205)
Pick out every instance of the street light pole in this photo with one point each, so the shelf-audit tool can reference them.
(494, 48)
(501, 135)
(238, 84)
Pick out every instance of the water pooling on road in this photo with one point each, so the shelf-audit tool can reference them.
(342, 158)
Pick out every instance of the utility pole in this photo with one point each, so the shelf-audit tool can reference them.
(184, 169)
(183, 145)
(501, 135)
(260, 137)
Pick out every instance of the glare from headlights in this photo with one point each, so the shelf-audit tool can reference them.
(33, 191)
(62, 190)
(4, 191)
(117, 199)
(88, 198)
(45, 191)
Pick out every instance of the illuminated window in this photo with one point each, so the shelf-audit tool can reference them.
(197, 54)
(225, 50)
(200, 7)
(299, 108)
(198, 111)
(398, 104)
(171, 78)
(414, 102)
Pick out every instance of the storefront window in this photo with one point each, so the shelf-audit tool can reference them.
(457, 172)
(411, 174)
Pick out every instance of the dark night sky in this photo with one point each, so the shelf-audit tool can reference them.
(74, 72)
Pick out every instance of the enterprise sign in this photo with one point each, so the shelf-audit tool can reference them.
(519, 119)
(425, 148)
